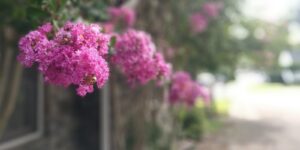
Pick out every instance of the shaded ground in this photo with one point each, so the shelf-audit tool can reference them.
(260, 119)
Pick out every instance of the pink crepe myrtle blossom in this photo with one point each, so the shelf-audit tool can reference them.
(74, 56)
(184, 90)
(108, 27)
(32, 47)
(178, 82)
(212, 9)
(164, 69)
(135, 55)
(123, 15)
(198, 22)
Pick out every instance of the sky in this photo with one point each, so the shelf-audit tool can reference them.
(271, 10)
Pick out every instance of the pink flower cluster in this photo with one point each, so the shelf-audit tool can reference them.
(200, 20)
(122, 15)
(184, 90)
(75, 55)
(212, 9)
(136, 57)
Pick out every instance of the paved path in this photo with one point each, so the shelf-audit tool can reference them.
(266, 119)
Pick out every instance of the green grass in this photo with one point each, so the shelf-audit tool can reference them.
(273, 87)
(222, 106)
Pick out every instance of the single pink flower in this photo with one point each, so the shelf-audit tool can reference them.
(198, 22)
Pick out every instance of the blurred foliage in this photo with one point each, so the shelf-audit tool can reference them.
(24, 15)
(191, 123)
(213, 50)
(263, 44)
(218, 49)
(200, 119)
(155, 138)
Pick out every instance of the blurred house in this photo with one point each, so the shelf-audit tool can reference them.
(289, 62)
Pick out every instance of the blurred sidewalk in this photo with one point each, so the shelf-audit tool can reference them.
(262, 117)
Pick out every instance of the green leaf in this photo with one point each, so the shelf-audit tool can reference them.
(112, 41)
